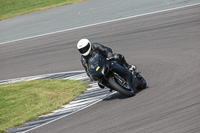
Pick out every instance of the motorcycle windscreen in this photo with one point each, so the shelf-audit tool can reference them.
(95, 66)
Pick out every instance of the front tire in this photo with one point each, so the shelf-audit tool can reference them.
(118, 87)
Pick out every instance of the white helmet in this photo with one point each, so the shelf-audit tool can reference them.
(84, 46)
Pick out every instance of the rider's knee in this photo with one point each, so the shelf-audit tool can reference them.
(118, 56)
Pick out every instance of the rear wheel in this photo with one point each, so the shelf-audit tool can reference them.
(142, 82)
(119, 84)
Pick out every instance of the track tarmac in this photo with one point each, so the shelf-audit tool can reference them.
(165, 47)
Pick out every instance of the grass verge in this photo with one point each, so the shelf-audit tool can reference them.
(25, 101)
(11, 8)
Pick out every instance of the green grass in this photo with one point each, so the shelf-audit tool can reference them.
(11, 8)
(24, 101)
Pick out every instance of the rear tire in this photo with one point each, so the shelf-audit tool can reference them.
(118, 87)
(142, 82)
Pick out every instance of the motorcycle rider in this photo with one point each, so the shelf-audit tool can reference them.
(88, 49)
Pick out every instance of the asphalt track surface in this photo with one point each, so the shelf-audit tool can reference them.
(80, 14)
(165, 47)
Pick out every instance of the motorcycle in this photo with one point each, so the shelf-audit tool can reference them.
(103, 70)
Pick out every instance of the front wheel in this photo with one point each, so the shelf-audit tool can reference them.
(119, 84)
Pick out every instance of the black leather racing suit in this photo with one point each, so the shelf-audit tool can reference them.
(96, 48)
(99, 48)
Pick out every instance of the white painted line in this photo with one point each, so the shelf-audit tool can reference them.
(87, 99)
(36, 77)
(78, 77)
(75, 104)
(145, 14)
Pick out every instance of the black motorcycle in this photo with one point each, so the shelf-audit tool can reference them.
(104, 71)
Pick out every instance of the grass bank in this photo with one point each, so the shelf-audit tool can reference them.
(11, 8)
(24, 101)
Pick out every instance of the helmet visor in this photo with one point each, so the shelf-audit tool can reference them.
(84, 49)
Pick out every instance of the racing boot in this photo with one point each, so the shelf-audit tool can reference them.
(122, 59)
(101, 85)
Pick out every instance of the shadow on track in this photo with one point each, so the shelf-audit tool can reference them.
(120, 96)
(115, 96)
